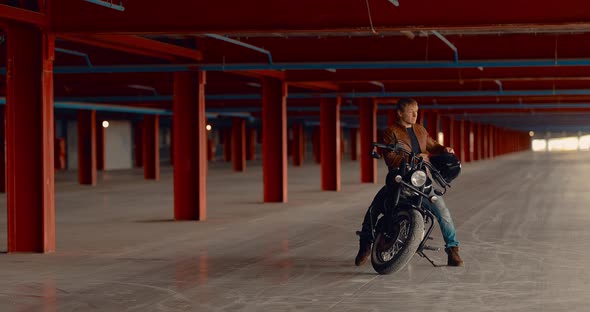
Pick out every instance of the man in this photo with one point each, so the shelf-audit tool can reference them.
(412, 135)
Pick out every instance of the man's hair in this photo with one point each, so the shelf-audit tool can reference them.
(403, 103)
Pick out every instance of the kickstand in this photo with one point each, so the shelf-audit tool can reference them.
(423, 255)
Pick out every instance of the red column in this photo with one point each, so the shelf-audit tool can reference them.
(368, 129)
(210, 153)
(100, 141)
(274, 139)
(353, 143)
(447, 130)
(59, 153)
(87, 147)
(484, 140)
(190, 153)
(297, 144)
(151, 147)
(29, 121)
(330, 143)
(431, 119)
(476, 141)
(467, 146)
(2, 150)
(459, 131)
(391, 117)
(138, 143)
(491, 136)
(317, 151)
(238, 143)
(251, 144)
(464, 141)
(226, 133)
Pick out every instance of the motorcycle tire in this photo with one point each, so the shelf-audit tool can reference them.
(407, 231)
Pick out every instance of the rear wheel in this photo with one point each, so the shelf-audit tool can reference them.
(394, 248)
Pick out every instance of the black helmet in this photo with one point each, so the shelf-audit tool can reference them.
(447, 164)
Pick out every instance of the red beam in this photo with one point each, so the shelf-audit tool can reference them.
(13, 14)
(137, 45)
(317, 85)
(260, 74)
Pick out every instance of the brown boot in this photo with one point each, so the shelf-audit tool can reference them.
(364, 252)
(454, 258)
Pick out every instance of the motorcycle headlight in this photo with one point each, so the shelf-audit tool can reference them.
(418, 178)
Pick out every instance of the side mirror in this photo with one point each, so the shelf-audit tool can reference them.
(375, 154)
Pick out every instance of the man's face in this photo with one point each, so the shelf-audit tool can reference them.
(409, 115)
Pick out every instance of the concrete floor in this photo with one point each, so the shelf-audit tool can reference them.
(522, 222)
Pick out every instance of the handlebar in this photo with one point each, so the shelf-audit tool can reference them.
(397, 148)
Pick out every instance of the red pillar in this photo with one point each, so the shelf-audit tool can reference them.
(190, 139)
(226, 133)
(151, 147)
(238, 143)
(298, 144)
(2, 150)
(458, 140)
(368, 129)
(476, 141)
(29, 121)
(330, 143)
(138, 143)
(353, 143)
(431, 119)
(100, 142)
(274, 139)
(491, 136)
(87, 147)
(484, 139)
(447, 126)
(467, 146)
(391, 117)
(463, 141)
(251, 144)
(317, 151)
(210, 152)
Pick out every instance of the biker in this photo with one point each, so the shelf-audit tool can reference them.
(413, 135)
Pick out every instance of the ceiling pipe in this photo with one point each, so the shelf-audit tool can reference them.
(108, 4)
(242, 44)
(76, 53)
(448, 43)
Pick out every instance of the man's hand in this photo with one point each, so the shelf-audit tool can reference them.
(424, 156)
(450, 150)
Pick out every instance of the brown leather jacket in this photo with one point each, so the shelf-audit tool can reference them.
(427, 144)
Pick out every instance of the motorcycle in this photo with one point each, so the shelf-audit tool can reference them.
(400, 232)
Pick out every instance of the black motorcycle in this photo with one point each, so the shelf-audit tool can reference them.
(400, 231)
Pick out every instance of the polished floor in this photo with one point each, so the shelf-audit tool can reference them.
(522, 221)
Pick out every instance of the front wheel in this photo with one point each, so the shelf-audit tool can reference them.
(394, 248)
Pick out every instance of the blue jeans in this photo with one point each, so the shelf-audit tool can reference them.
(439, 209)
(445, 221)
